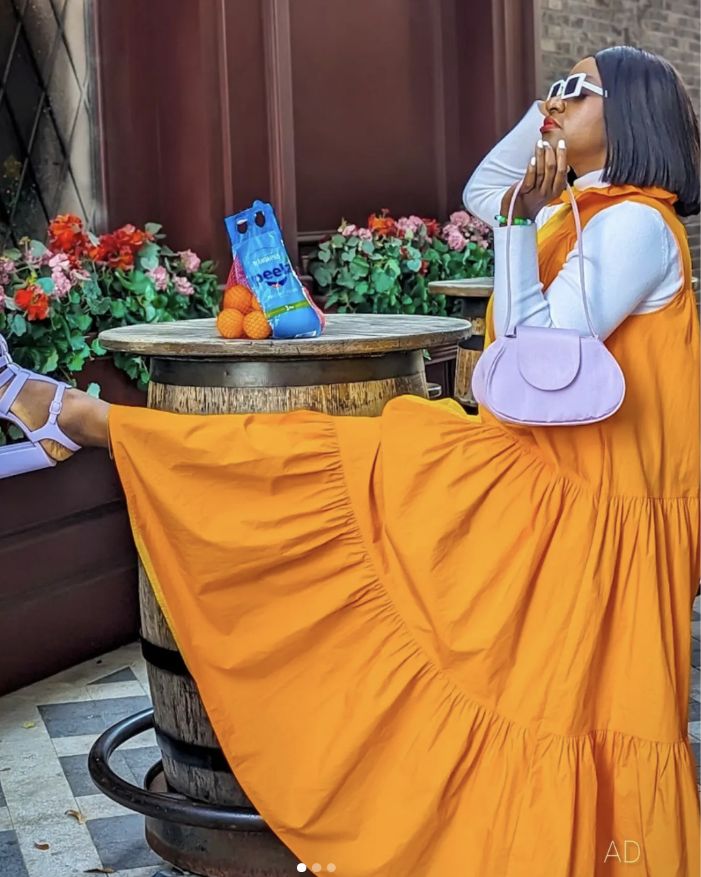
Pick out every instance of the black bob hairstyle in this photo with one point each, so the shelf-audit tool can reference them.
(651, 126)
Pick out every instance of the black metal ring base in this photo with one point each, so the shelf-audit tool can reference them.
(277, 372)
(170, 807)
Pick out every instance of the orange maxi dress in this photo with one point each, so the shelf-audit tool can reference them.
(433, 644)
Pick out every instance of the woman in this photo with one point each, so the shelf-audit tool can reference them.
(432, 644)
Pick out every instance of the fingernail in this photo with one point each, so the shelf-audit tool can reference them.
(561, 144)
(540, 144)
(533, 160)
(545, 143)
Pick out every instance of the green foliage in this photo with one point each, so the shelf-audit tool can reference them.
(386, 268)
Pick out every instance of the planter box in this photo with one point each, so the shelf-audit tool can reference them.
(68, 586)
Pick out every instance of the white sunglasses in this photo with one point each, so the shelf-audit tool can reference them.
(573, 87)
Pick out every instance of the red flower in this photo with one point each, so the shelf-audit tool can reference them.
(118, 248)
(383, 224)
(424, 266)
(96, 253)
(433, 227)
(32, 300)
(132, 237)
(66, 235)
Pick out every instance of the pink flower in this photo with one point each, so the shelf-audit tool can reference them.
(183, 286)
(61, 274)
(159, 276)
(32, 260)
(364, 234)
(470, 226)
(460, 218)
(454, 239)
(62, 284)
(190, 261)
(414, 224)
(59, 262)
(7, 269)
(349, 230)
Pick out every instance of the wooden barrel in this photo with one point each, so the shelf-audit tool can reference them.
(473, 308)
(469, 352)
(355, 368)
(473, 295)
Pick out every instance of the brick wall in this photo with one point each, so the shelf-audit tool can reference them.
(572, 29)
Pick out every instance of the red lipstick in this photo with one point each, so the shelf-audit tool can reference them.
(549, 125)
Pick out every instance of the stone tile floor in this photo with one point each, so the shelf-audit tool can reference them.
(46, 731)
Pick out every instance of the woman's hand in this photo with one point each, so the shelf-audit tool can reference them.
(545, 180)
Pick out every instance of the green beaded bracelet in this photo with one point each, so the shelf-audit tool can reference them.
(516, 220)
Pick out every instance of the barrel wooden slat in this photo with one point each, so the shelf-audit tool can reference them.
(220, 382)
(367, 399)
(178, 710)
(465, 364)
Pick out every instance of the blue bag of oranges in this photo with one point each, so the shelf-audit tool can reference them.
(261, 263)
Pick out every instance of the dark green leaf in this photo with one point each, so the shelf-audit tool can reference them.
(18, 325)
(76, 362)
(322, 275)
(381, 281)
(51, 363)
(148, 256)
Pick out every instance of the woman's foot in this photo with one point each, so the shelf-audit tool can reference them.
(56, 419)
(32, 407)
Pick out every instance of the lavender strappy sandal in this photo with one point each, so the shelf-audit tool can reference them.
(28, 456)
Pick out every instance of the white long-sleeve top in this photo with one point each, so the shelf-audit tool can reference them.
(632, 263)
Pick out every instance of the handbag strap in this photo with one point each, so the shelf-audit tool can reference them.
(580, 252)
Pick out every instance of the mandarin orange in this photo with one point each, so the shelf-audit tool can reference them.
(230, 323)
(238, 297)
(256, 326)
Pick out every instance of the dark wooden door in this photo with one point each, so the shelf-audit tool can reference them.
(327, 109)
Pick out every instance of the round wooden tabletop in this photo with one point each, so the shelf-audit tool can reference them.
(345, 335)
(476, 287)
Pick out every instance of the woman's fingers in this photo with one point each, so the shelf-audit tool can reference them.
(550, 169)
(529, 182)
(560, 181)
(539, 163)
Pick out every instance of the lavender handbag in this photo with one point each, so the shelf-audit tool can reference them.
(548, 377)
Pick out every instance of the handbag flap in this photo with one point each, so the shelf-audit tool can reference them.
(548, 359)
